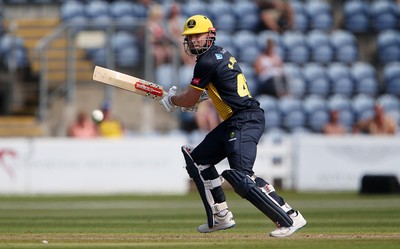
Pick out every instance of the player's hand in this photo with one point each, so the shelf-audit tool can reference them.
(166, 100)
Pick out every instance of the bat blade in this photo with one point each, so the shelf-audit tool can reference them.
(128, 82)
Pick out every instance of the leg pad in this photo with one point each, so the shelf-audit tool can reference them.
(246, 188)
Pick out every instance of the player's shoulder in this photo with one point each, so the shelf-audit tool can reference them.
(213, 56)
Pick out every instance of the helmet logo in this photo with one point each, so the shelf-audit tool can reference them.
(191, 23)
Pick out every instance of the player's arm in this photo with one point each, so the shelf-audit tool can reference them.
(188, 98)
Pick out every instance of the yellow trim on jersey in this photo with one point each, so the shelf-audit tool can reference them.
(223, 109)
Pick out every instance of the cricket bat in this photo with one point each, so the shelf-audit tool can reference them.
(129, 83)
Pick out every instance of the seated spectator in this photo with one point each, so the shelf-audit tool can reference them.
(82, 127)
(379, 124)
(110, 127)
(276, 15)
(269, 70)
(161, 43)
(334, 127)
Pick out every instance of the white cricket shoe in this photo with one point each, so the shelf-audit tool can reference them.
(298, 222)
(220, 223)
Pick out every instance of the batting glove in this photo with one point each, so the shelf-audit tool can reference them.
(166, 100)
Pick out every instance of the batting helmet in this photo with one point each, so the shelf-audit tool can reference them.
(197, 24)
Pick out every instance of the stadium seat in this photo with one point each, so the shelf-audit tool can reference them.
(246, 13)
(128, 56)
(345, 46)
(341, 79)
(300, 16)
(244, 38)
(356, 16)
(96, 8)
(384, 15)
(71, 9)
(316, 79)
(119, 9)
(317, 113)
(295, 47)
(391, 78)
(321, 49)
(225, 22)
(320, 15)
(271, 111)
(293, 115)
(165, 75)
(391, 105)
(363, 106)
(123, 39)
(388, 46)
(365, 78)
(295, 80)
(190, 8)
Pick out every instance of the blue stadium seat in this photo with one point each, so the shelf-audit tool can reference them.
(128, 56)
(224, 39)
(96, 8)
(295, 47)
(384, 15)
(245, 43)
(185, 75)
(165, 75)
(71, 9)
(345, 46)
(389, 102)
(341, 79)
(272, 113)
(388, 46)
(363, 106)
(365, 78)
(123, 39)
(356, 16)
(391, 105)
(391, 78)
(320, 15)
(320, 46)
(301, 21)
(317, 113)
(316, 79)
(246, 13)
(119, 9)
(191, 8)
(225, 22)
(293, 115)
(295, 80)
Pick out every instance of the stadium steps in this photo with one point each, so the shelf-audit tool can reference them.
(20, 126)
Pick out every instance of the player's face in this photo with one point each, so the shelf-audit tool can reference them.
(197, 41)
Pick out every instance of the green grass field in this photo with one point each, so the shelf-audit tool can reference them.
(339, 220)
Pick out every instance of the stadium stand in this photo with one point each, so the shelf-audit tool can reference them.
(324, 59)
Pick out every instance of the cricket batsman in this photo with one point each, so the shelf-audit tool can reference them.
(219, 75)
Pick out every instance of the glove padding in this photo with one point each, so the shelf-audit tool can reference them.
(203, 96)
(166, 100)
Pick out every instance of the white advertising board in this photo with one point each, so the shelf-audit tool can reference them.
(101, 166)
(339, 163)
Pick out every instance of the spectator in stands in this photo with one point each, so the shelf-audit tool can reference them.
(268, 67)
(207, 117)
(82, 127)
(175, 22)
(162, 50)
(276, 15)
(334, 127)
(379, 124)
(110, 127)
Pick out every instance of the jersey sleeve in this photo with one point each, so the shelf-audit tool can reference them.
(202, 74)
